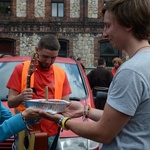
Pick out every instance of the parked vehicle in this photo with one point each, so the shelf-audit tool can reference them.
(80, 92)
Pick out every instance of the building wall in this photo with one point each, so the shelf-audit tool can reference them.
(82, 26)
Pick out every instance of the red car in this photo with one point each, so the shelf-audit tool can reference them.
(80, 92)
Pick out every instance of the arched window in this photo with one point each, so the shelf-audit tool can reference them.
(108, 52)
(63, 48)
(7, 46)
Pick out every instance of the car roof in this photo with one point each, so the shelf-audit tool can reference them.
(24, 58)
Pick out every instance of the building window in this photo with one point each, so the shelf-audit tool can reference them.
(5, 9)
(108, 52)
(57, 8)
(63, 52)
(7, 46)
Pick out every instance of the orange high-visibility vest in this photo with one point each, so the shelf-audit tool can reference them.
(59, 77)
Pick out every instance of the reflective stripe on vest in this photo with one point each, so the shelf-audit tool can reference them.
(59, 77)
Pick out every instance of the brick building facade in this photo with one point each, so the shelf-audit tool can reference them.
(78, 25)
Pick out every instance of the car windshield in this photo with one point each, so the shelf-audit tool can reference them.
(72, 71)
(75, 80)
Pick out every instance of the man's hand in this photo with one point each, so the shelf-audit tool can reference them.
(74, 110)
(15, 98)
(31, 113)
(27, 94)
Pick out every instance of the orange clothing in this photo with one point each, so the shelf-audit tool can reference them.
(113, 71)
(56, 80)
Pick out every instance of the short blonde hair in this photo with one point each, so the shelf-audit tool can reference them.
(118, 60)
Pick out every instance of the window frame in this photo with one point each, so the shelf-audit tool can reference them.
(5, 4)
(12, 43)
(58, 10)
(62, 52)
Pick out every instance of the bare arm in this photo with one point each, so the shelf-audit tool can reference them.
(76, 109)
(104, 130)
(95, 114)
(15, 98)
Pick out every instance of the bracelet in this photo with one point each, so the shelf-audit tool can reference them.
(28, 126)
(64, 120)
(60, 121)
(86, 112)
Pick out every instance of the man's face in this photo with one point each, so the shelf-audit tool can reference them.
(82, 61)
(113, 31)
(47, 58)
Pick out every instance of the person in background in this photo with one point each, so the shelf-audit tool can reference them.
(47, 74)
(100, 76)
(81, 61)
(95, 63)
(124, 124)
(117, 62)
(10, 124)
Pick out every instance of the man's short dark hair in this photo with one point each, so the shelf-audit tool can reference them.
(101, 61)
(49, 42)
